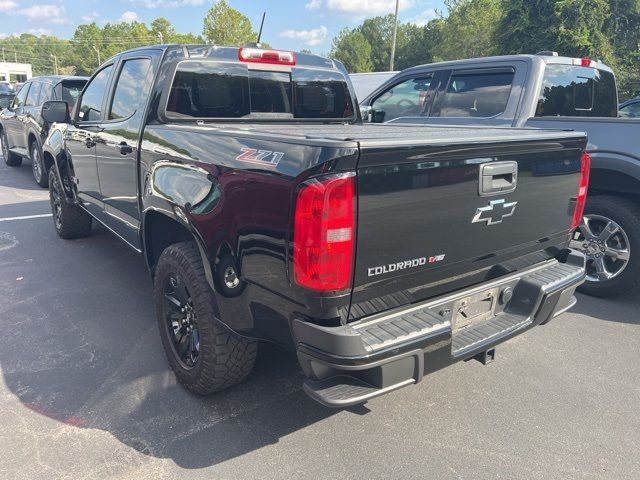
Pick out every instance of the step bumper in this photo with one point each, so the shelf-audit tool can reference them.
(353, 363)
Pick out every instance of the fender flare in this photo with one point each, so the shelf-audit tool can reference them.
(624, 164)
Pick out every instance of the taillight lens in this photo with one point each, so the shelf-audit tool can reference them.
(581, 199)
(323, 233)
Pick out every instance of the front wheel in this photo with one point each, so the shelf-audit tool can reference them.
(204, 354)
(609, 236)
(37, 165)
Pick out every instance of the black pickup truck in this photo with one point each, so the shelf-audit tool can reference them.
(266, 210)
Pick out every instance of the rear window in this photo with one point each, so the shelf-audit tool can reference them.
(575, 91)
(477, 94)
(216, 90)
(70, 91)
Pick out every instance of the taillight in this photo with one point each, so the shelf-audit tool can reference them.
(257, 55)
(583, 62)
(581, 199)
(323, 233)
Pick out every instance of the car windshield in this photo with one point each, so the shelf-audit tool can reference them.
(218, 90)
(6, 88)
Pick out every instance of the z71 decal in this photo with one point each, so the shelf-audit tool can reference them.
(261, 157)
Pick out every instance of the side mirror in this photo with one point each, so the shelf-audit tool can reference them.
(365, 112)
(55, 111)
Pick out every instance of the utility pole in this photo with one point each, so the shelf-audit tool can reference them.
(3, 59)
(393, 39)
(98, 52)
(161, 38)
(55, 63)
(15, 56)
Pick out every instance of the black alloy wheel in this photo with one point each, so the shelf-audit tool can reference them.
(181, 322)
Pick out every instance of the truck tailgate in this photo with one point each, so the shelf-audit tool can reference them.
(425, 227)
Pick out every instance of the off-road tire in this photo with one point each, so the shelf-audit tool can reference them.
(626, 214)
(36, 158)
(11, 159)
(71, 221)
(224, 358)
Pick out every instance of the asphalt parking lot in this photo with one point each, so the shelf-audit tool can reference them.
(85, 390)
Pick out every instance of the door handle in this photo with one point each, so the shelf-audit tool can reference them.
(498, 178)
(125, 148)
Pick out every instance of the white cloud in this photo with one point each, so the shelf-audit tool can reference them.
(308, 37)
(40, 31)
(423, 18)
(45, 13)
(92, 17)
(129, 17)
(167, 3)
(313, 5)
(367, 7)
(3, 36)
(6, 5)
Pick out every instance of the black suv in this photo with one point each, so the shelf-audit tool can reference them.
(22, 127)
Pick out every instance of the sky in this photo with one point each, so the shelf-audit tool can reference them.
(293, 24)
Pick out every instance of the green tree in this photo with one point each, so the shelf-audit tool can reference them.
(224, 25)
(353, 50)
(469, 30)
(162, 28)
(573, 28)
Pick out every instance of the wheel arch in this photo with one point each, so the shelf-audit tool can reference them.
(615, 174)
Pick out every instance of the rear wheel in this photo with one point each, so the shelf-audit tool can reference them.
(70, 220)
(610, 238)
(11, 159)
(37, 165)
(205, 356)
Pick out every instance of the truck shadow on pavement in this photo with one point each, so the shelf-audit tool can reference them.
(621, 309)
(84, 350)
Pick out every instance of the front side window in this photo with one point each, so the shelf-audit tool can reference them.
(91, 101)
(20, 98)
(130, 88)
(406, 99)
(571, 90)
(478, 95)
(33, 97)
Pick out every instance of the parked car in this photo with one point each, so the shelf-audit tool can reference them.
(22, 128)
(365, 83)
(630, 108)
(545, 91)
(6, 94)
(266, 210)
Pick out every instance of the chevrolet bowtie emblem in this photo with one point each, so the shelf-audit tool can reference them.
(497, 211)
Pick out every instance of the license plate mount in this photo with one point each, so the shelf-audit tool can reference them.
(474, 309)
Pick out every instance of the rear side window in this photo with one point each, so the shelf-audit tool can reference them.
(571, 90)
(215, 90)
(130, 88)
(34, 95)
(70, 91)
(480, 94)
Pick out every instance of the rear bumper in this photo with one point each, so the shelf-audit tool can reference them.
(353, 363)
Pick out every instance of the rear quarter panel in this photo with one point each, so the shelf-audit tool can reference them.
(239, 206)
